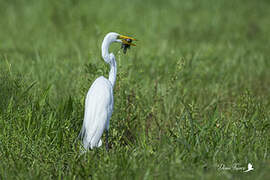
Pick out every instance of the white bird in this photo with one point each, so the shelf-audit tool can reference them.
(99, 99)
(250, 168)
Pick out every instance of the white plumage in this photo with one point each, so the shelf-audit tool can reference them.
(98, 111)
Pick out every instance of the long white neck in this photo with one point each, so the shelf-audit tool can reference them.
(109, 58)
(113, 70)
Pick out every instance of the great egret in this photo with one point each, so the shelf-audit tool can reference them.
(99, 99)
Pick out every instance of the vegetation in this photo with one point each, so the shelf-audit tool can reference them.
(191, 99)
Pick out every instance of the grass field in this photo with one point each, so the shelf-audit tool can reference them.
(192, 99)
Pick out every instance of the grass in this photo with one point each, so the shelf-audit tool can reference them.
(192, 96)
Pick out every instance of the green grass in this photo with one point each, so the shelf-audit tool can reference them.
(192, 95)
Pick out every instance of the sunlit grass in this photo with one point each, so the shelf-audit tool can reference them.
(191, 96)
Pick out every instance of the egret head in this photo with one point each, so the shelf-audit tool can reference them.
(111, 37)
(125, 41)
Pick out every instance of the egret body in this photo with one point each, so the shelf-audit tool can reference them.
(99, 99)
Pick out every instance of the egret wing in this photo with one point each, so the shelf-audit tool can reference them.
(98, 110)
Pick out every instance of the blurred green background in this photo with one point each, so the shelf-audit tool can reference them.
(192, 95)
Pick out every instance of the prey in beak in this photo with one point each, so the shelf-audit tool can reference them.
(126, 42)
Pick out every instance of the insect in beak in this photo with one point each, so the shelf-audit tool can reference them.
(126, 42)
(126, 45)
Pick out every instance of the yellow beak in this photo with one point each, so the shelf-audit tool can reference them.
(125, 38)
